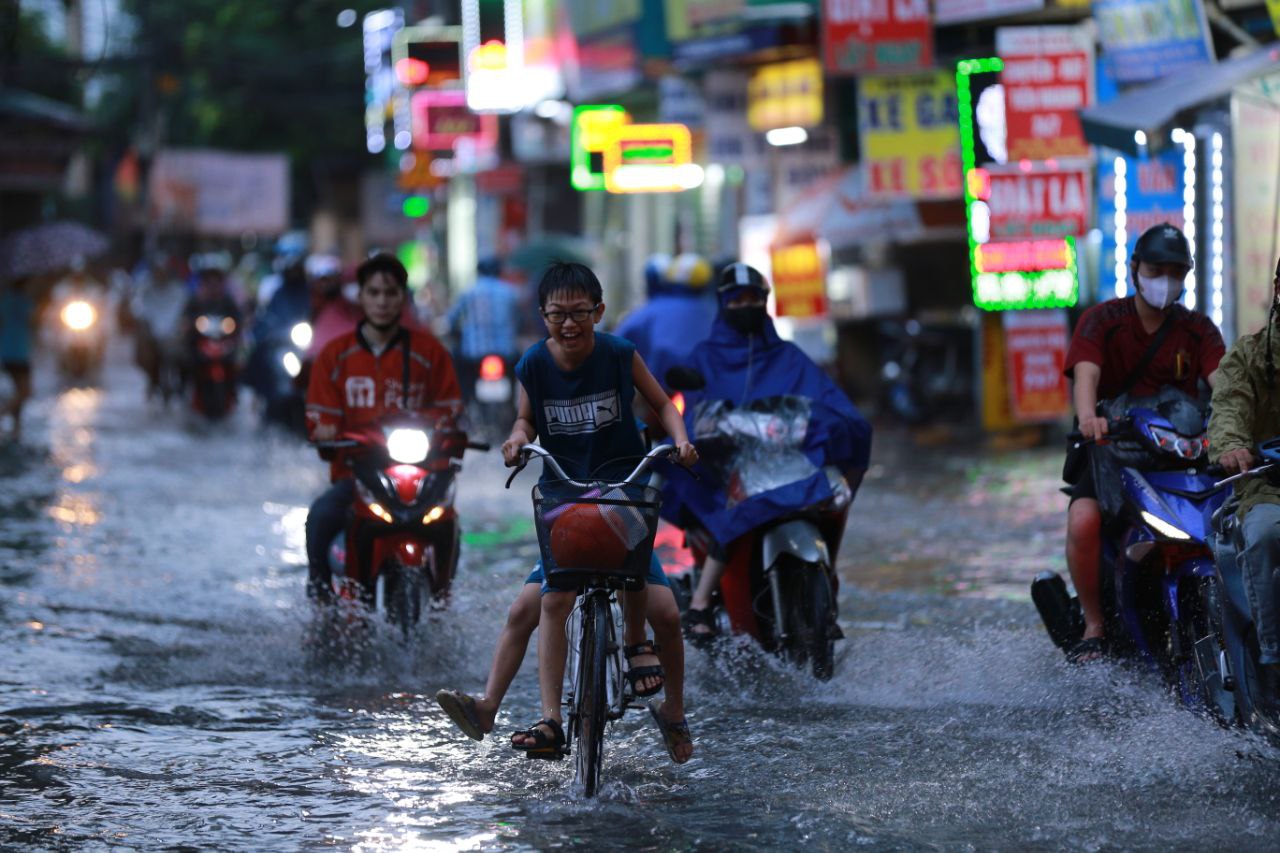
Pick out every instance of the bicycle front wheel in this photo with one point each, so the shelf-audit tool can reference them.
(591, 698)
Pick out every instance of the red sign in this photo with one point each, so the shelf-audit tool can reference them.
(799, 280)
(1047, 78)
(1039, 204)
(876, 35)
(1035, 353)
(441, 119)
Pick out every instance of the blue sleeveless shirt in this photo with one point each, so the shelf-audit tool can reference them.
(584, 417)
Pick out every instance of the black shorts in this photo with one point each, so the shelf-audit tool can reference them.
(19, 370)
(1084, 487)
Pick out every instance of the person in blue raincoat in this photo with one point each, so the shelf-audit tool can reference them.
(743, 361)
(678, 315)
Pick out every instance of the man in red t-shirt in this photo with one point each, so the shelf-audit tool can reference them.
(357, 379)
(1109, 343)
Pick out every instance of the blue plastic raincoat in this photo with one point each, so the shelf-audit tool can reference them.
(741, 369)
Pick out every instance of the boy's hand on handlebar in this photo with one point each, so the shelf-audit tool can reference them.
(687, 454)
(511, 451)
(1093, 428)
(1237, 461)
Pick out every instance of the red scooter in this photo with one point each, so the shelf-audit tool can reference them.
(216, 337)
(400, 549)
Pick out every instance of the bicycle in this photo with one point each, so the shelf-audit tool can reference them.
(598, 691)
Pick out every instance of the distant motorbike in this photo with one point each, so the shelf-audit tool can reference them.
(1231, 644)
(400, 551)
(275, 371)
(780, 585)
(493, 397)
(79, 339)
(1157, 568)
(927, 371)
(213, 373)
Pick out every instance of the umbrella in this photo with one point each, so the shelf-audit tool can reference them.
(48, 248)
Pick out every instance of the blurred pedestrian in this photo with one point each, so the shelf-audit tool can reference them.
(485, 320)
(16, 317)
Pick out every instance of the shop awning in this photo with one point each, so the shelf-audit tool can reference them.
(836, 209)
(1155, 109)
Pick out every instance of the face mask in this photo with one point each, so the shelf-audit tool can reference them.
(1160, 292)
(748, 320)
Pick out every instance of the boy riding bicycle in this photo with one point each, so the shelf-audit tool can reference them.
(576, 390)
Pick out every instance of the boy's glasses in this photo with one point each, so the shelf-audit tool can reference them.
(578, 315)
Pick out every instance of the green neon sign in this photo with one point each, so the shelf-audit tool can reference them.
(1006, 289)
(591, 131)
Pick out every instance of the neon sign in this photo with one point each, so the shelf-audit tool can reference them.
(441, 122)
(1006, 274)
(589, 135)
(608, 152)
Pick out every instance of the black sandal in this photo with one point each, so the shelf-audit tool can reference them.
(549, 748)
(639, 673)
(696, 617)
(1091, 650)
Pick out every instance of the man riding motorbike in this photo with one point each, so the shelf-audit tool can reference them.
(1245, 413)
(742, 361)
(158, 306)
(358, 378)
(485, 320)
(1135, 345)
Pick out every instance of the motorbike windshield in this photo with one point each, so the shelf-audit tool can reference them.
(757, 448)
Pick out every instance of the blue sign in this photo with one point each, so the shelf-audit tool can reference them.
(1144, 40)
(1150, 194)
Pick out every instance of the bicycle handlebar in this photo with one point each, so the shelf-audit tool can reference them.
(528, 451)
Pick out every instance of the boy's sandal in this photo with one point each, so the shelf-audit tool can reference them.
(461, 708)
(1087, 651)
(549, 747)
(674, 735)
(695, 618)
(640, 673)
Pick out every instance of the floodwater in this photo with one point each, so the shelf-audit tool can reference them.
(161, 686)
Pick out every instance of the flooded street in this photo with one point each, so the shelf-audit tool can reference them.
(161, 688)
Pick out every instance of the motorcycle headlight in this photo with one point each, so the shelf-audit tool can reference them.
(1170, 442)
(409, 446)
(1164, 528)
(292, 365)
(78, 315)
(301, 335)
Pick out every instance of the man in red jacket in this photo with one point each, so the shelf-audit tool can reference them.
(356, 380)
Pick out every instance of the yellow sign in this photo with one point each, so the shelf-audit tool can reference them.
(799, 280)
(785, 94)
(650, 158)
(910, 136)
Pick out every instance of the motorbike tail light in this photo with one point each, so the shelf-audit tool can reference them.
(492, 368)
(677, 400)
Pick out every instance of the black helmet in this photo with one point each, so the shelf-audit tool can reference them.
(1163, 244)
(741, 275)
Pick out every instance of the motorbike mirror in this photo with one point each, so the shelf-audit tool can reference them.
(682, 378)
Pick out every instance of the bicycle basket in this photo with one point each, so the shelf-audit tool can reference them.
(603, 534)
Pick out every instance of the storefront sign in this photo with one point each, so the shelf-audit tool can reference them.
(442, 120)
(1035, 345)
(876, 35)
(1038, 204)
(590, 133)
(650, 158)
(1047, 79)
(799, 167)
(956, 11)
(680, 102)
(1145, 40)
(730, 140)
(910, 136)
(1255, 139)
(799, 280)
(785, 94)
(219, 193)
(1149, 192)
(1020, 273)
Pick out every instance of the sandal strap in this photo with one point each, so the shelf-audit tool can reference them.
(543, 742)
(645, 647)
(643, 672)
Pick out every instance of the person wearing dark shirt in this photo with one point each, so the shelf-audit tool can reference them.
(1110, 342)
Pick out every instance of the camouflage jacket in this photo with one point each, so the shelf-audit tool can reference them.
(1246, 411)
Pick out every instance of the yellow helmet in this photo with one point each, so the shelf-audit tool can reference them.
(691, 270)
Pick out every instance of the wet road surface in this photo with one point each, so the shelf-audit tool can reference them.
(160, 686)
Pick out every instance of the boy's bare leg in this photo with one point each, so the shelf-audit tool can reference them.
(664, 616)
(634, 609)
(513, 642)
(552, 647)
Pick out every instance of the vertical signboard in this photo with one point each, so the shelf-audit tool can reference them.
(1144, 40)
(1047, 79)
(799, 280)
(910, 137)
(1255, 139)
(879, 36)
(1149, 192)
(1035, 344)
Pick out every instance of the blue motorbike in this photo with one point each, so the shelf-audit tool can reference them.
(1158, 496)
(1250, 698)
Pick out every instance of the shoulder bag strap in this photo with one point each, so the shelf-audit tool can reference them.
(1145, 361)
(404, 385)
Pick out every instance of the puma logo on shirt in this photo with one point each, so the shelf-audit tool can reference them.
(582, 414)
